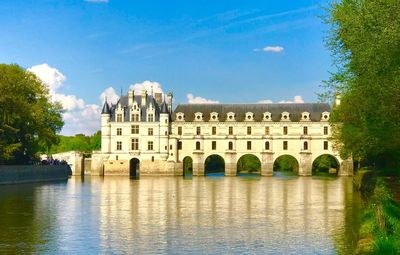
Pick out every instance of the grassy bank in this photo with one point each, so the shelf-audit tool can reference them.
(380, 229)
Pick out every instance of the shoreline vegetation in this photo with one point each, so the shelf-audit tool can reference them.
(379, 232)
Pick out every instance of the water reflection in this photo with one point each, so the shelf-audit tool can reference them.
(190, 216)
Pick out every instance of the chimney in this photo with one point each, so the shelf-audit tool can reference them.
(170, 97)
(130, 97)
(337, 99)
(144, 97)
(158, 98)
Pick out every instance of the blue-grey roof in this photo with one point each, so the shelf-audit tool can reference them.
(295, 110)
(106, 108)
(143, 108)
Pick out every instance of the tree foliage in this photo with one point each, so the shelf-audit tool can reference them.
(78, 142)
(249, 163)
(29, 121)
(286, 163)
(364, 39)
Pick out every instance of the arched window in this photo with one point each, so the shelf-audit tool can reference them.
(305, 146)
(197, 145)
(267, 145)
(230, 146)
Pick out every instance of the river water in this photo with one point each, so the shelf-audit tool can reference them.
(159, 215)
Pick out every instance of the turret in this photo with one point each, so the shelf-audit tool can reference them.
(144, 97)
(130, 98)
(170, 97)
(164, 130)
(105, 127)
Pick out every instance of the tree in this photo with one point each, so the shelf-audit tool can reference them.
(29, 121)
(79, 142)
(364, 39)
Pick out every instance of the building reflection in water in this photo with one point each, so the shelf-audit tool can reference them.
(226, 215)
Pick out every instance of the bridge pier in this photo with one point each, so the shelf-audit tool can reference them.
(267, 164)
(230, 164)
(198, 164)
(305, 164)
(346, 167)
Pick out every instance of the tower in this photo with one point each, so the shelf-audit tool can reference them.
(105, 128)
(164, 130)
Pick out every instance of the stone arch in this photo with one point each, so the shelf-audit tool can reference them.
(248, 164)
(286, 164)
(214, 164)
(134, 168)
(187, 166)
(326, 164)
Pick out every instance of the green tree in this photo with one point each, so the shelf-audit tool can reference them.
(79, 142)
(29, 121)
(364, 39)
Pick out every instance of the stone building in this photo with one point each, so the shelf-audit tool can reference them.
(142, 134)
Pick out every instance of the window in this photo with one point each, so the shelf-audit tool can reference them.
(230, 146)
(305, 146)
(150, 118)
(213, 145)
(325, 130)
(150, 131)
(119, 146)
(249, 130)
(152, 158)
(214, 130)
(119, 131)
(285, 130)
(135, 117)
(150, 145)
(248, 145)
(266, 130)
(135, 129)
(197, 145)
(198, 130)
(285, 145)
(230, 130)
(179, 130)
(267, 145)
(170, 146)
(305, 131)
(179, 145)
(135, 144)
(119, 117)
(325, 145)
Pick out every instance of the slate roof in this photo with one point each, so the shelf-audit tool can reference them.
(295, 110)
(106, 108)
(143, 108)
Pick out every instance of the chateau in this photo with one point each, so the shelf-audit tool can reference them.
(144, 135)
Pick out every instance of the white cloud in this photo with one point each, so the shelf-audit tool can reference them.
(266, 101)
(275, 49)
(110, 94)
(296, 100)
(79, 117)
(96, 1)
(199, 100)
(147, 85)
(53, 78)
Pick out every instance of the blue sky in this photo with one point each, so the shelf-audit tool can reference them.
(212, 50)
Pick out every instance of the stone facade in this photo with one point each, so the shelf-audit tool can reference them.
(142, 135)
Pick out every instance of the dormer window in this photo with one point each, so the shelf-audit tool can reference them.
(180, 116)
(249, 116)
(214, 116)
(285, 116)
(325, 116)
(305, 116)
(267, 116)
(230, 116)
(198, 116)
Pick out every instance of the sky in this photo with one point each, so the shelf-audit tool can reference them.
(225, 51)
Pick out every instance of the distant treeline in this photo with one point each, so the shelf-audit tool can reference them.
(78, 142)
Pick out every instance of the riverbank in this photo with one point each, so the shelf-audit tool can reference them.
(380, 228)
(15, 174)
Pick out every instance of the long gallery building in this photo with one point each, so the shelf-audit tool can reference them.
(144, 135)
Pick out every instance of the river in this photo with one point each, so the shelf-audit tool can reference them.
(172, 215)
